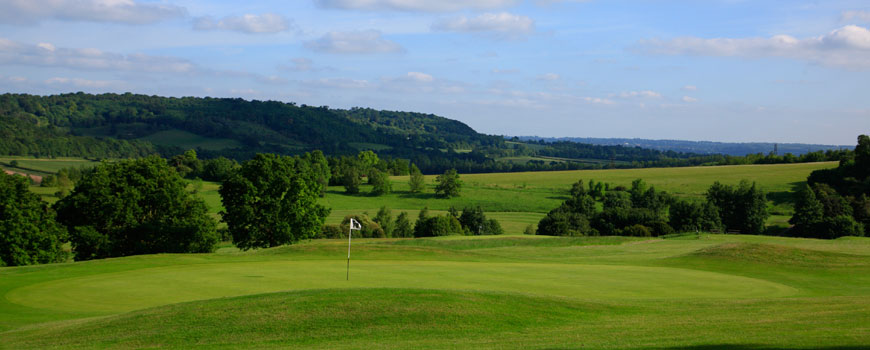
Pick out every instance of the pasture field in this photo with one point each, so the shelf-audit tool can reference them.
(686, 292)
(521, 199)
(44, 166)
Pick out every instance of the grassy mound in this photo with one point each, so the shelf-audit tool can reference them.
(502, 242)
(312, 318)
(781, 255)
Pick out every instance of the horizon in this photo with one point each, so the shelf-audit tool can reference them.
(718, 71)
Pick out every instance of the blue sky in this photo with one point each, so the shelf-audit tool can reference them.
(720, 70)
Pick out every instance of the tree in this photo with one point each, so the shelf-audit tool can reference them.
(29, 233)
(187, 165)
(381, 184)
(402, 227)
(384, 218)
(272, 200)
(417, 181)
(808, 211)
(368, 228)
(472, 220)
(218, 169)
(320, 166)
(686, 216)
(862, 157)
(135, 207)
(448, 184)
(742, 208)
(351, 180)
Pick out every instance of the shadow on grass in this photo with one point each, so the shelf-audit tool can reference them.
(407, 194)
(783, 197)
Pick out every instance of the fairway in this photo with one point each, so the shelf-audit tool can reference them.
(537, 292)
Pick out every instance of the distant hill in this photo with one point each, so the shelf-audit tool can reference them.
(130, 125)
(699, 147)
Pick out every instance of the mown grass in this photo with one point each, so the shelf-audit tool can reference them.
(707, 292)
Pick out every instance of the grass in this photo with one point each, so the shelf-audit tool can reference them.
(707, 292)
(518, 200)
(45, 166)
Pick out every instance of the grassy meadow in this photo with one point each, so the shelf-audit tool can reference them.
(517, 200)
(690, 292)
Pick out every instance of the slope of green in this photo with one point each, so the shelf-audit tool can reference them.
(707, 292)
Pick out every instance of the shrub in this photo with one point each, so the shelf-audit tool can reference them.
(637, 231)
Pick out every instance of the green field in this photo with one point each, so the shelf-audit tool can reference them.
(707, 292)
(521, 199)
(44, 166)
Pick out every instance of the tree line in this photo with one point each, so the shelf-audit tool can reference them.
(142, 206)
(598, 208)
(836, 202)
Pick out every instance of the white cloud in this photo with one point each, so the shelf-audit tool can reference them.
(549, 77)
(362, 42)
(299, 64)
(633, 94)
(863, 16)
(81, 83)
(500, 23)
(420, 77)
(598, 100)
(689, 99)
(47, 55)
(690, 88)
(847, 47)
(416, 5)
(251, 24)
(342, 83)
(118, 11)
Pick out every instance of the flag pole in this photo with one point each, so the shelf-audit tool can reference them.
(349, 234)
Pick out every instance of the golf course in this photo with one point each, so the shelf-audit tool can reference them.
(685, 292)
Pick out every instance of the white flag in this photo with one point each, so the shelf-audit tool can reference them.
(355, 225)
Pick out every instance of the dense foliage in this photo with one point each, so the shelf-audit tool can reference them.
(29, 233)
(135, 207)
(643, 211)
(448, 184)
(271, 200)
(836, 202)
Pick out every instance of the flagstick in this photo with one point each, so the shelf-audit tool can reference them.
(349, 234)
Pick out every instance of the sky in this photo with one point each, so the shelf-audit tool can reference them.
(716, 70)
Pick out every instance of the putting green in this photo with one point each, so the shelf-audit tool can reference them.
(142, 288)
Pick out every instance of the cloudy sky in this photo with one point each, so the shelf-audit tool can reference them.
(720, 70)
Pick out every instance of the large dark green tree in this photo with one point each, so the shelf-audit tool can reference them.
(272, 200)
(29, 233)
(135, 207)
(742, 208)
(448, 184)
